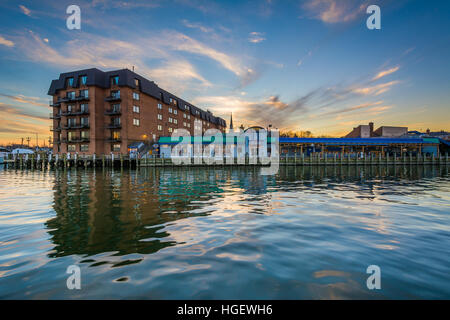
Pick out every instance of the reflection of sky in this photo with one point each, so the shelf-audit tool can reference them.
(307, 65)
(307, 232)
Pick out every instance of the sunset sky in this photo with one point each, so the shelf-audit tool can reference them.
(300, 65)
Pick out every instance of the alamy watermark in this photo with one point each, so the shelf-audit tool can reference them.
(374, 20)
(374, 280)
(74, 280)
(74, 20)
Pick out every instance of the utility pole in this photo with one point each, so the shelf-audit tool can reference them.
(28, 141)
(21, 143)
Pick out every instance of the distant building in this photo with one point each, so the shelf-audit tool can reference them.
(432, 134)
(367, 131)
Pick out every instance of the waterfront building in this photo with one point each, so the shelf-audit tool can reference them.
(107, 112)
(367, 131)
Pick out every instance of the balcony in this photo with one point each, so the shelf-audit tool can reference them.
(69, 99)
(114, 97)
(114, 126)
(76, 140)
(82, 98)
(112, 112)
(76, 126)
(112, 139)
(55, 116)
(75, 113)
(55, 128)
(55, 104)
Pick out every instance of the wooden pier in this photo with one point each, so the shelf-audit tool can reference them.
(313, 159)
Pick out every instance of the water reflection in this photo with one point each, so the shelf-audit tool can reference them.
(224, 233)
(127, 211)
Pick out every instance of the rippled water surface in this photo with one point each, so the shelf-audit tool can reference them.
(224, 233)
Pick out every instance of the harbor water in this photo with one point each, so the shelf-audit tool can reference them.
(226, 233)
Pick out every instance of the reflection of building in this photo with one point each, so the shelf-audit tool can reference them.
(102, 112)
(367, 131)
(123, 212)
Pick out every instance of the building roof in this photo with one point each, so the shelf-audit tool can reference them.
(358, 141)
(96, 77)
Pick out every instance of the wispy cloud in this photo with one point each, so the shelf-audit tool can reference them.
(25, 10)
(167, 65)
(256, 37)
(334, 11)
(24, 99)
(11, 110)
(375, 90)
(196, 25)
(6, 42)
(384, 73)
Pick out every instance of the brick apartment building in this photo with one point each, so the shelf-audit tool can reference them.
(103, 112)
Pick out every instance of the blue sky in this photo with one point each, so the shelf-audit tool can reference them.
(299, 65)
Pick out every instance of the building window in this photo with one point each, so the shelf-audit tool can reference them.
(70, 136)
(116, 135)
(71, 148)
(84, 93)
(184, 115)
(186, 107)
(70, 82)
(115, 80)
(136, 122)
(71, 122)
(84, 134)
(137, 83)
(71, 94)
(83, 80)
(115, 94)
(175, 121)
(115, 121)
(135, 96)
(170, 110)
(159, 106)
(170, 130)
(115, 148)
(116, 107)
(173, 101)
(84, 107)
(184, 124)
(84, 122)
(175, 111)
(159, 127)
(136, 109)
(159, 116)
(170, 120)
(69, 108)
(189, 125)
(84, 148)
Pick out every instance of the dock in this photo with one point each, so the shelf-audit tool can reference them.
(125, 161)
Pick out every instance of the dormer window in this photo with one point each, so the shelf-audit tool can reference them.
(137, 83)
(83, 80)
(173, 101)
(70, 82)
(115, 80)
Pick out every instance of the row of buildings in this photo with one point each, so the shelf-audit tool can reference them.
(119, 111)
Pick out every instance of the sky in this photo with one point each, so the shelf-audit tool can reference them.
(298, 65)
